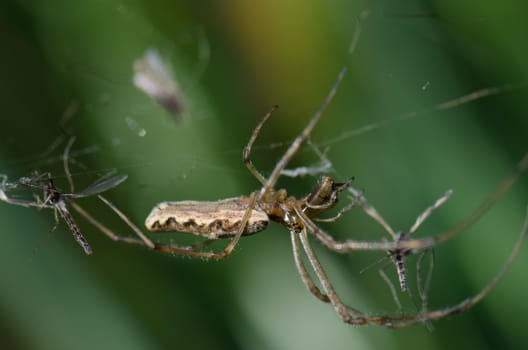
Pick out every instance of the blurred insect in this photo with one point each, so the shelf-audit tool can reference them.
(54, 198)
(154, 76)
(236, 217)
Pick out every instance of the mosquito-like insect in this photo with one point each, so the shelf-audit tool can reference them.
(398, 256)
(58, 200)
(235, 217)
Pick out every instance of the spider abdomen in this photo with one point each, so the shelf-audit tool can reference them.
(218, 219)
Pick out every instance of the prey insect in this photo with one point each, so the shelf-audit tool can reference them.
(398, 256)
(58, 200)
(55, 199)
(236, 217)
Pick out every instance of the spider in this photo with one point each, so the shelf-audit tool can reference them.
(236, 217)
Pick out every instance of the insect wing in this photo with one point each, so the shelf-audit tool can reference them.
(100, 187)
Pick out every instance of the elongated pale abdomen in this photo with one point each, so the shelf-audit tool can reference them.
(219, 219)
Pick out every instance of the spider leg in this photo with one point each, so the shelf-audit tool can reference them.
(429, 210)
(359, 199)
(103, 228)
(346, 313)
(305, 276)
(123, 217)
(247, 150)
(324, 166)
(341, 246)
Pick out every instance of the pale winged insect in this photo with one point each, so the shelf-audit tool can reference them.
(154, 76)
(54, 198)
(236, 217)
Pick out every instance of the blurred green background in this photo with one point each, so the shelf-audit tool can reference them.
(234, 59)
